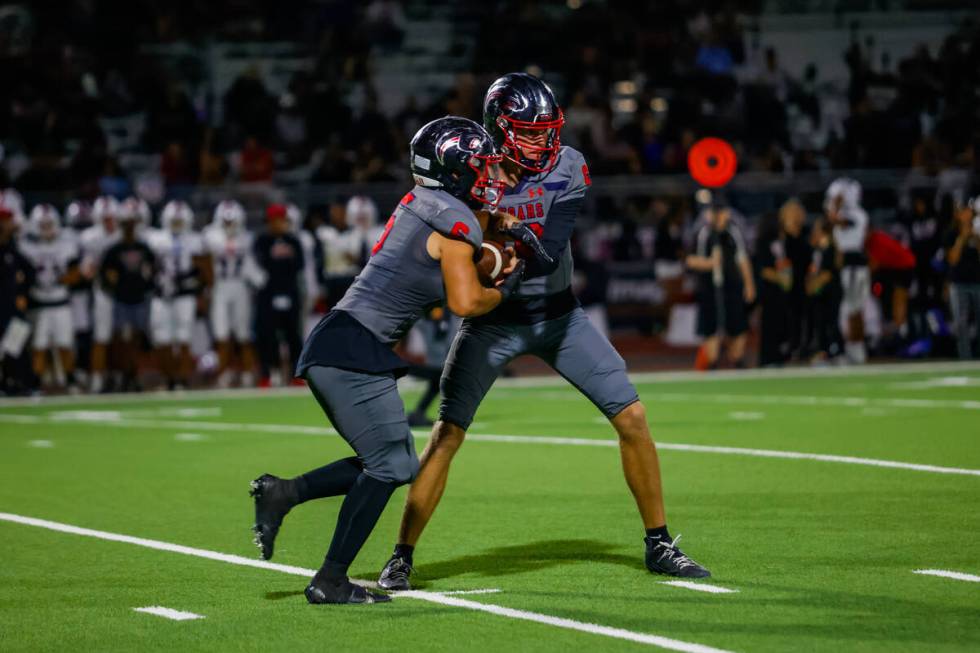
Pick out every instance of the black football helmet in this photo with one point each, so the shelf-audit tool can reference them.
(518, 102)
(458, 156)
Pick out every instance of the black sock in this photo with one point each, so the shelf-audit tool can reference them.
(659, 533)
(328, 481)
(431, 392)
(404, 551)
(360, 511)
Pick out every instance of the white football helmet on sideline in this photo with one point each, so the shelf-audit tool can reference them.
(295, 217)
(78, 215)
(105, 212)
(137, 206)
(229, 215)
(44, 222)
(849, 190)
(177, 217)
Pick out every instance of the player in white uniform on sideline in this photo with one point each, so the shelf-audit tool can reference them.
(94, 242)
(55, 258)
(842, 203)
(229, 245)
(312, 289)
(182, 264)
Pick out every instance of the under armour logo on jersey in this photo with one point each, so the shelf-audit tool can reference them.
(535, 192)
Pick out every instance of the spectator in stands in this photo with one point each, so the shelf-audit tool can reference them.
(255, 163)
(962, 246)
(279, 255)
(211, 165)
(175, 167)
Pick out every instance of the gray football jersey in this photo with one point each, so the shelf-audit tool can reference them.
(401, 281)
(531, 201)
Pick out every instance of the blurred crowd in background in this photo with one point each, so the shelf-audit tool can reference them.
(116, 112)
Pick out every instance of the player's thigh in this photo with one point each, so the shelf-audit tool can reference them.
(241, 314)
(102, 311)
(736, 318)
(184, 314)
(161, 322)
(856, 286)
(219, 315)
(707, 316)
(41, 325)
(586, 358)
(63, 328)
(478, 354)
(368, 412)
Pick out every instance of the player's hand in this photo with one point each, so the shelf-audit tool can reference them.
(509, 284)
(522, 233)
(21, 303)
(510, 255)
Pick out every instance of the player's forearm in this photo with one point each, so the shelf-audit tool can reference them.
(700, 263)
(747, 277)
(555, 238)
(480, 302)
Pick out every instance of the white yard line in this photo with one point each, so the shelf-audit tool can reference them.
(813, 400)
(945, 573)
(570, 624)
(522, 439)
(169, 613)
(699, 587)
(551, 380)
(431, 597)
(40, 444)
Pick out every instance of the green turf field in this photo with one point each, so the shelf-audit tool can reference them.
(821, 552)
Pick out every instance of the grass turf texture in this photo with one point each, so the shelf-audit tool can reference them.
(821, 553)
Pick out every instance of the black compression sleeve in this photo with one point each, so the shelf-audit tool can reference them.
(557, 232)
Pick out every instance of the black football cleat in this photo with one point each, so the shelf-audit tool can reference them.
(395, 575)
(343, 591)
(663, 557)
(274, 497)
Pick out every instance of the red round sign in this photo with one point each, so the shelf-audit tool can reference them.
(712, 162)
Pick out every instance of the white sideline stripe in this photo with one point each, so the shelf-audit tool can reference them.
(734, 451)
(944, 573)
(432, 597)
(814, 400)
(551, 380)
(169, 613)
(699, 587)
(458, 592)
(533, 439)
(559, 622)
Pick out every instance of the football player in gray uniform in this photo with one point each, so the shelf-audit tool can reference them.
(546, 184)
(425, 255)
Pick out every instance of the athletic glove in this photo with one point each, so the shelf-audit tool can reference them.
(513, 280)
(523, 234)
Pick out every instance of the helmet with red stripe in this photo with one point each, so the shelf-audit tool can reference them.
(523, 118)
(458, 156)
